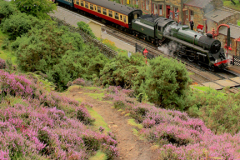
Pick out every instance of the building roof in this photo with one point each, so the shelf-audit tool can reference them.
(234, 31)
(198, 3)
(218, 15)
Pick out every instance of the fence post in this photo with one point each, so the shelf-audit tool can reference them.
(233, 60)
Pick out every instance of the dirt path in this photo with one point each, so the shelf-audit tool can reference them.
(129, 145)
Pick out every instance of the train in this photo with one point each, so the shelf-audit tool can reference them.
(203, 49)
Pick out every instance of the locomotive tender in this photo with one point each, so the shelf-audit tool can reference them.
(195, 46)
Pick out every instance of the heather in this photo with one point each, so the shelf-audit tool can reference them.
(178, 135)
(36, 124)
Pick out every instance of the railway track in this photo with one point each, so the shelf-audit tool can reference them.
(199, 75)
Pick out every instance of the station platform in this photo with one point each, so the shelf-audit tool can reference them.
(234, 68)
(72, 18)
(220, 84)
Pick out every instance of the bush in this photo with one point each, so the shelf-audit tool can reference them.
(85, 28)
(219, 110)
(165, 83)
(121, 70)
(7, 9)
(18, 24)
(2, 64)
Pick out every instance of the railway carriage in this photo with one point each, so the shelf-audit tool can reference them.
(109, 11)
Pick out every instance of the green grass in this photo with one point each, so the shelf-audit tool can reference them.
(238, 22)
(202, 88)
(229, 4)
(133, 123)
(99, 121)
(99, 156)
(6, 54)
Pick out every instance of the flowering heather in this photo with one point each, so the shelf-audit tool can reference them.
(15, 85)
(2, 64)
(45, 125)
(179, 136)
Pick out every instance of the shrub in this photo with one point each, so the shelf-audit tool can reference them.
(7, 9)
(165, 82)
(2, 64)
(121, 70)
(219, 110)
(83, 115)
(18, 24)
(85, 28)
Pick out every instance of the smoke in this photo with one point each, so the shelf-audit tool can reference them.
(164, 49)
(167, 30)
(169, 48)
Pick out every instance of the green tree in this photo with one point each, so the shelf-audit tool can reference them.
(18, 24)
(41, 49)
(73, 65)
(37, 8)
(165, 82)
(7, 9)
(121, 70)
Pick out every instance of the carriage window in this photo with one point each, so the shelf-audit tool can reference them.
(116, 16)
(82, 3)
(124, 19)
(99, 9)
(104, 11)
(121, 17)
(95, 8)
(91, 6)
(86, 5)
(110, 13)
(77, 2)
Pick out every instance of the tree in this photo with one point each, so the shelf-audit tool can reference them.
(41, 49)
(18, 24)
(37, 8)
(121, 70)
(7, 9)
(165, 82)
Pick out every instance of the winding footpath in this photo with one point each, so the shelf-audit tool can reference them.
(130, 147)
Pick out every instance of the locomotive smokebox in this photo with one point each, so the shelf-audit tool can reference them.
(208, 43)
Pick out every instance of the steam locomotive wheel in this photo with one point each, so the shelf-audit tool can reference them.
(190, 58)
(211, 68)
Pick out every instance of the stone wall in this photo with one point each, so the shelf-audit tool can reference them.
(198, 16)
(223, 38)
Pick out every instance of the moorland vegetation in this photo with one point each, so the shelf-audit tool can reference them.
(35, 122)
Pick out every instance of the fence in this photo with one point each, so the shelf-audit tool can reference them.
(140, 49)
(88, 39)
(236, 60)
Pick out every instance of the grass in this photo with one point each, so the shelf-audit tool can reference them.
(99, 156)
(229, 4)
(99, 121)
(202, 88)
(133, 123)
(6, 54)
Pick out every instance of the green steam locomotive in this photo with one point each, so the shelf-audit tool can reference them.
(184, 41)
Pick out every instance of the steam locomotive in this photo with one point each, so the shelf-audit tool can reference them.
(195, 46)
